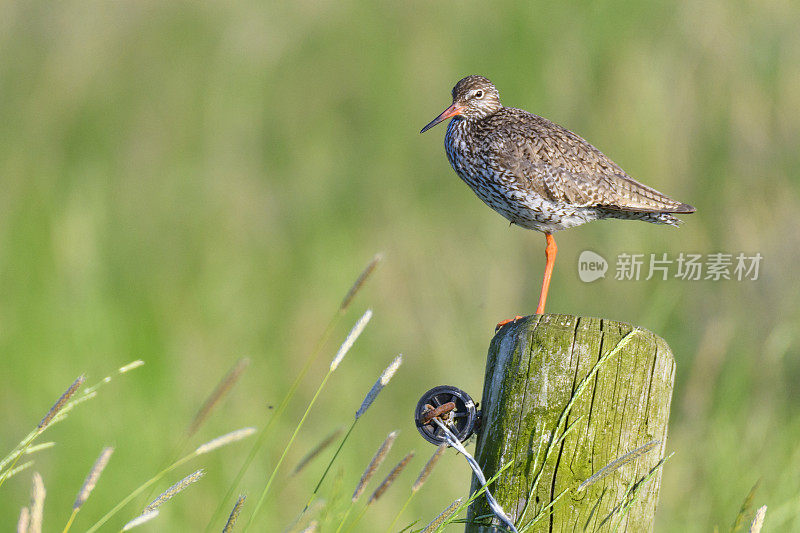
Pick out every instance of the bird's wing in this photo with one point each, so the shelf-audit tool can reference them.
(560, 166)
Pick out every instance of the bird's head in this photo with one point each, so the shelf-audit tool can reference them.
(474, 97)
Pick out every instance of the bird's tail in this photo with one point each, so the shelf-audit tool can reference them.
(654, 218)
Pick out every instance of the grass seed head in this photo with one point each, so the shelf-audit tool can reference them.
(758, 520)
(91, 479)
(443, 516)
(318, 449)
(234, 516)
(383, 487)
(351, 339)
(224, 440)
(16, 470)
(379, 385)
(618, 463)
(426, 471)
(62, 401)
(24, 520)
(312, 527)
(362, 278)
(141, 519)
(37, 504)
(377, 459)
(39, 447)
(178, 487)
(130, 366)
(219, 392)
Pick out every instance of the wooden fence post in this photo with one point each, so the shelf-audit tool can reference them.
(604, 384)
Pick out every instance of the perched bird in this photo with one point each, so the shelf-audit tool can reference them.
(537, 174)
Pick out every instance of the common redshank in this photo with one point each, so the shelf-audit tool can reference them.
(540, 175)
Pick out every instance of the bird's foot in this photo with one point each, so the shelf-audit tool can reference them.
(504, 322)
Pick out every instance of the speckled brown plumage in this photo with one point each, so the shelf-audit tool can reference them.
(536, 173)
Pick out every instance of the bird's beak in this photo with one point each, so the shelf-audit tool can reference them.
(450, 112)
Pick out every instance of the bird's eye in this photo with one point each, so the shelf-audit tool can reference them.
(478, 94)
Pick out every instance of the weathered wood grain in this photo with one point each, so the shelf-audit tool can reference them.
(547, 373)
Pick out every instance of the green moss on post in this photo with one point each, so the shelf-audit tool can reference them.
(605, 384)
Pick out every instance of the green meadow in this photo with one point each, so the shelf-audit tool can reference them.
(190, 183)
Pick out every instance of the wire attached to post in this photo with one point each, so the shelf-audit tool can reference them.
(455, 443)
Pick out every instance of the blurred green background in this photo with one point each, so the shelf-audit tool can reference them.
(187, 183)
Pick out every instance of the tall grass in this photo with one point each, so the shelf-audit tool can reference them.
(310, 359)
(89, 484)
(31, 518)
(200, 450)
(369, 399)
(421, 479)
(59, 411)
(337, 359)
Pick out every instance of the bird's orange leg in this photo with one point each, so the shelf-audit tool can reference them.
(550, 253)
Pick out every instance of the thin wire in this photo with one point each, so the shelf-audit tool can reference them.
(453, 441)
